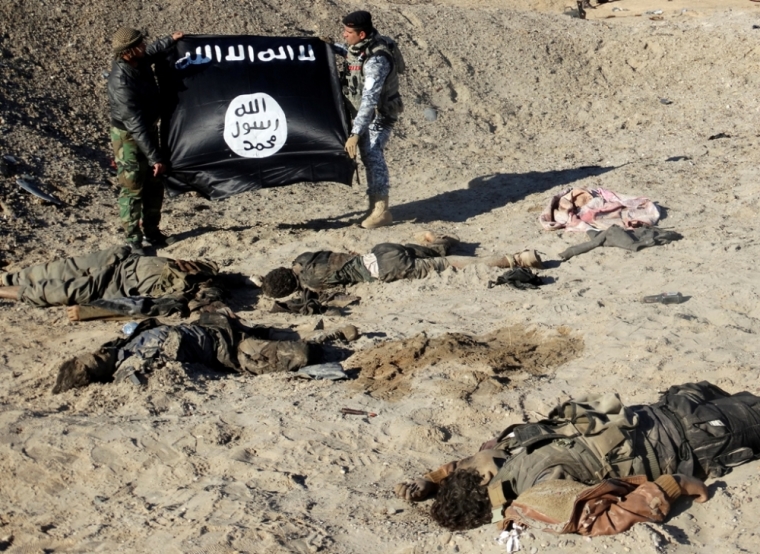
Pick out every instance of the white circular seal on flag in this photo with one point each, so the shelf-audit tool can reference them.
(255, 126)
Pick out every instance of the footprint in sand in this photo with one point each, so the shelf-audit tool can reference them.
(163, 451)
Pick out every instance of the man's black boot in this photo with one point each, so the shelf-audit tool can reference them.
(159, 240)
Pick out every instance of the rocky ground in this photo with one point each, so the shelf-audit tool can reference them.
(529, 100)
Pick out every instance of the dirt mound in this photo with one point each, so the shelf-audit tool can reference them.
(387, 369)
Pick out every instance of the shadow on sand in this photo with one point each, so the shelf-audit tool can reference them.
(486, 193)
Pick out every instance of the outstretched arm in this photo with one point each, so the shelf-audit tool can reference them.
(426, 486)
(163, 44)
(416, 490)
(339, 48)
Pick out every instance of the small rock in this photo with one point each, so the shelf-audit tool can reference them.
(431, 114)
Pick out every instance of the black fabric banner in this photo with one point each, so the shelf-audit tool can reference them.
(244, 112)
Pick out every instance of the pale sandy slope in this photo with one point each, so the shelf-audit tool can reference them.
(528, 100)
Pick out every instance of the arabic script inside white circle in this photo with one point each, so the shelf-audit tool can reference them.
(255, 126)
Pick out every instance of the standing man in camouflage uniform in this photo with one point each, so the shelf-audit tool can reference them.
(373, 63)
(135, 110)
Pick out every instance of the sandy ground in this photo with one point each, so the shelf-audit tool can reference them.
(530, 100)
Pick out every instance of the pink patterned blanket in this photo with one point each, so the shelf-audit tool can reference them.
(582, 209)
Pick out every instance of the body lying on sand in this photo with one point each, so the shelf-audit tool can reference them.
(594, 466)
(387, 262)
(119, 281)
(218, 340)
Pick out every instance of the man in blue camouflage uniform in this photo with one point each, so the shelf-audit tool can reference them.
(373, 63)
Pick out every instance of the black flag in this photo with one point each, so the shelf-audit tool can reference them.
(243, 112)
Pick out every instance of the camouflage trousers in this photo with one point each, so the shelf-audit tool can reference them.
(141, 194)
(409, 261)
(371, 145)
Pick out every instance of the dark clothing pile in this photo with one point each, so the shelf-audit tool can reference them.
(312, 303)
(520, 278)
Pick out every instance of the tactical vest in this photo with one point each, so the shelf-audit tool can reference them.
(390, 104)
(588, 440)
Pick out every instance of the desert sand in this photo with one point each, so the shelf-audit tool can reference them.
(530, 100)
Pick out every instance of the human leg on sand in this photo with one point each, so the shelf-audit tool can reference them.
(460, 262)
(10, 293)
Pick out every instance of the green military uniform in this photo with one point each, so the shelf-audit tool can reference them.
(142, 194)
(111, 273)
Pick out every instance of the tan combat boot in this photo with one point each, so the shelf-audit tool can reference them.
(380, 216)
(349, 333)
(371, 208)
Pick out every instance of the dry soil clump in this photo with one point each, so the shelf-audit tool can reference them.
(387, 369)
